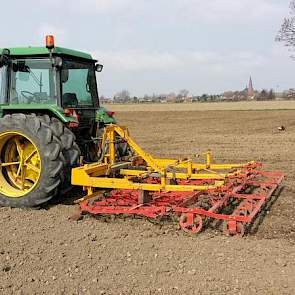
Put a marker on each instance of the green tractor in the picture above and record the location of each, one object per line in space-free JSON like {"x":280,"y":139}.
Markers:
{"x":50,"y":119}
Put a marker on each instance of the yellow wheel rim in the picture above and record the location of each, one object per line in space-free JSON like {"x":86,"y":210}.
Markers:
{"x":20,"y":164}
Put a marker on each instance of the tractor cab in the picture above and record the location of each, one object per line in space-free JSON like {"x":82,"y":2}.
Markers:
{"x":54,"y":79}
{"x":57,"y":82}
{"x":41,"y":81}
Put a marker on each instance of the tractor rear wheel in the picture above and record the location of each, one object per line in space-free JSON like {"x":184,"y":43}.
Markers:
{"x":30,"y":161}
{"x":70,"y":150}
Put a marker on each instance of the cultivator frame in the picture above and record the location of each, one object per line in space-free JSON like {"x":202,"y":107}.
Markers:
{"x":196,"y":193}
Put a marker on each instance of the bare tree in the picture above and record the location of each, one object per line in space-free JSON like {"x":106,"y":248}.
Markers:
{"x":271,"y":95}
{"x":263,"y":95}
{"x":183,"y":93}
{"x":286,"y":33}
{"x":122,"y":96}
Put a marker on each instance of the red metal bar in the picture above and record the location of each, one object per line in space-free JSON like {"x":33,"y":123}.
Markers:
{"x":250,"y":191}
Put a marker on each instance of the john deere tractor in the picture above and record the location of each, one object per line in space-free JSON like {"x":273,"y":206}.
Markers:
{"x":50,"y":118}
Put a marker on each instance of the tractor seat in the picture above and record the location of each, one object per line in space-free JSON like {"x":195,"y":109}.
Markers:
{"x":69,"y":100}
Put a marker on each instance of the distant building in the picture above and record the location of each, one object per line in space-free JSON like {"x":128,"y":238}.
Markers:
{"x":188,"y":99}
{"x":250,"y":89}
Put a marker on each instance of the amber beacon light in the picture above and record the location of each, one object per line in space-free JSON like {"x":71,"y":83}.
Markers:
{"x":50,"y":41}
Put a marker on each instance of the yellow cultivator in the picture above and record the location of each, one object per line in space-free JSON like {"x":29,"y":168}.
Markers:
{"x":134,"y":182}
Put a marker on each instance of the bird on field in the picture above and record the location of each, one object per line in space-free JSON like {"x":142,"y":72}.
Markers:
{"x":282,"y":128}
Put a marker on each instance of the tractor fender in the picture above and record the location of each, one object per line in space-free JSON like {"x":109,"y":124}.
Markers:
{"x":51,"y":110}
{"x":102,"y":115}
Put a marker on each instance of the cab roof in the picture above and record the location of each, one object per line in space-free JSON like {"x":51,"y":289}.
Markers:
{"x":33,"y":51}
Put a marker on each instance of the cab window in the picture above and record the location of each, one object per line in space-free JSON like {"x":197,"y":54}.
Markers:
{"x":32,"y":81}
{"x":78,"y":84}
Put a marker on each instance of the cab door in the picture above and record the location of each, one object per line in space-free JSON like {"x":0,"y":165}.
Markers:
{"x":3,"y":85}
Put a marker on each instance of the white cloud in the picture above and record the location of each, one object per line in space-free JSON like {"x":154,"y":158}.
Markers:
{"x":199,"y":71}
{"x":91,"y":6}
{"x":235,"y":11}
{"x":49,"y":29}
{"x":138,"y":60}
{"x":101,"y":6}
{"x":213,"y":11}
{"x":155,"y":45}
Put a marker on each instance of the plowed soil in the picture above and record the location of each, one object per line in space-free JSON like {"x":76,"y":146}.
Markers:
{"x":43,"y":252}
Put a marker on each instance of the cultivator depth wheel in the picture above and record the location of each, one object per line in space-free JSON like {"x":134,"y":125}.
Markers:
{"x":191,"y":223}
{"x":233,"y":228}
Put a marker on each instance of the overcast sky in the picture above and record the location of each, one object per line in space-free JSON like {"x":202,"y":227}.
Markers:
{"x":162,"y":46}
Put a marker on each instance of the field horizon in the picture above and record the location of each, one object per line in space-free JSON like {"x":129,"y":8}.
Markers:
{"x":205,"y":106}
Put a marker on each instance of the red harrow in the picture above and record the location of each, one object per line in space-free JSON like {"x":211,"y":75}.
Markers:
{"x":196,"y":194}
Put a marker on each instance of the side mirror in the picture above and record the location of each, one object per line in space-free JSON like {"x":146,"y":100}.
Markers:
{"x":4,"y":60}
{"x":20,"y":66}
{"x":98,"y":68}
{"x":5,"y":51}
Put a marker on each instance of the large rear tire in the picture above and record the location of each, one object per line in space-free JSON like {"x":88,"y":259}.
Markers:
{"x":70,"y":150}
{"x":30,"y":161}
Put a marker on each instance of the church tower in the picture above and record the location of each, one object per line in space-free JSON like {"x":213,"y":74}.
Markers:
{"x":250,"y":88}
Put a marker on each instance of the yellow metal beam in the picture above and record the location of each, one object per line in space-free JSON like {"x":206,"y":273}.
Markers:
{"x":80,"y":177}
{"x":98,"y":174}
{"x":123,"y":132}
{"x":179,"y":175}
{"x":95,"y":168}
{"x":162,"y":162}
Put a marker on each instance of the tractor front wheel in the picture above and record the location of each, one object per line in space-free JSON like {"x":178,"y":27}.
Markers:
{"x":31,"y":161}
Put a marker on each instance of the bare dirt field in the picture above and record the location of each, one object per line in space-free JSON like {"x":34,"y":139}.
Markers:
{"x":205,"y":106}
{"x":42,"y":252}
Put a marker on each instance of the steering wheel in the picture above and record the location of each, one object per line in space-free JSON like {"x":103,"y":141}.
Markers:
{"x":28,"y":95}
